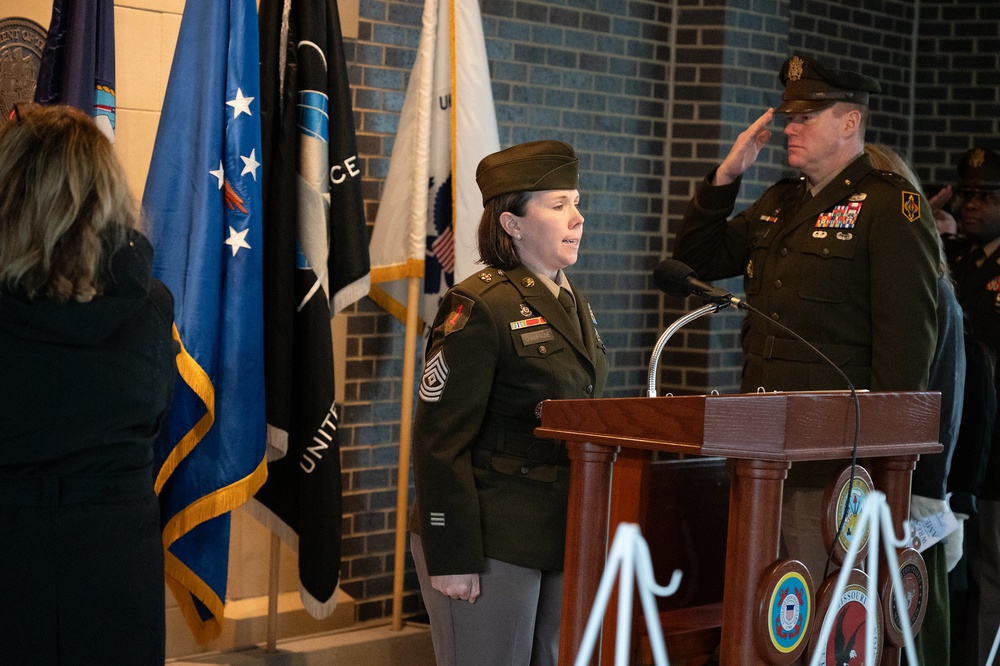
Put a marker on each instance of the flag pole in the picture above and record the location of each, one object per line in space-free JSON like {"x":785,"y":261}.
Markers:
{"x":405,"y":436}
{"x":272,"y":594}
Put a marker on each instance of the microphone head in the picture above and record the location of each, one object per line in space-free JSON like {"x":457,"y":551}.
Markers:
{"x":670,"y":277}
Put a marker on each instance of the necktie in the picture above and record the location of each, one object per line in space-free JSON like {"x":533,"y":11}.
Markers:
{"x":569,"y":303}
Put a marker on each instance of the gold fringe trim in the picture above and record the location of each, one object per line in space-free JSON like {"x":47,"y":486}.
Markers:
{"x":182,"y":581}
{"x":201,"y":384}
{"x":393,"y":307}
{"x":412,"y":268}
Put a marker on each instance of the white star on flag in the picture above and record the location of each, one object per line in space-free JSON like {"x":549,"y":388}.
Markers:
{"x":241,"y":104}
{"x":250,"y":164}
{"x":237,"y":239}
{"x":219,"y":173}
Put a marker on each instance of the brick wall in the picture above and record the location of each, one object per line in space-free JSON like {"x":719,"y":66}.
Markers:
{"x":651,"y":94}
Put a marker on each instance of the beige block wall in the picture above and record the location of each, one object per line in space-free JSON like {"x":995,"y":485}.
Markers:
{"x":145,"y":36}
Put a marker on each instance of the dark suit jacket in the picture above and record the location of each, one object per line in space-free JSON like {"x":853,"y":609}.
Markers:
{"x":485,"y":487}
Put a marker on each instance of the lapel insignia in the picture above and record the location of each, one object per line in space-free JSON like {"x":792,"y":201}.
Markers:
{"x":525,"y":310}
{"x":525,"y":323}
{"x":750,"y":269}
{"x":528,"y":282}
{"x":860,"y":196}
{"x":911,"y":206}
{"x":994,"y":284}
{"x":841,"y":217}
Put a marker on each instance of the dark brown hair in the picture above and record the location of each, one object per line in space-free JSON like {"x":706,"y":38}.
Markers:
{"x":496,"y":247}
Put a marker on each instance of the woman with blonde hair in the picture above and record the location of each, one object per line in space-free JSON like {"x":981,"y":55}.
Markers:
{"x":86,"y":372}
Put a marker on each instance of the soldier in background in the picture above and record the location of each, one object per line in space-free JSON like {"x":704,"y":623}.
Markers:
{"x":974,"y":257}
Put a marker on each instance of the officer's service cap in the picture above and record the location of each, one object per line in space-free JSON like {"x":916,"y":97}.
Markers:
{"x":978,"y":171}
{"x":809,"y":86}
{"x":529,"y":167}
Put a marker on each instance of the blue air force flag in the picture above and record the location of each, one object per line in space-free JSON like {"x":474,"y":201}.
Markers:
{"x":203,"y":201}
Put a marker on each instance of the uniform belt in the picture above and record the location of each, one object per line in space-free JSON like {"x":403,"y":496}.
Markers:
{"x":785,"y":349}
{"x":54,"y":490}
{"x":509,"y":437}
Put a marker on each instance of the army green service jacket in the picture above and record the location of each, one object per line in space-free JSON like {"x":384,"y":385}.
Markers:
{"x":485,"y":486}
{"x":852,"y":270}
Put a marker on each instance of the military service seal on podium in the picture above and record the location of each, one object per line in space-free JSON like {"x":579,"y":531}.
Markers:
{"x":784,"y":617}
{"x":845,"y":495}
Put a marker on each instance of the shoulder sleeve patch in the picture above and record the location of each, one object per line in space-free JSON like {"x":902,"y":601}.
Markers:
{"x":911,"y":206}
{"x":461,"y":308}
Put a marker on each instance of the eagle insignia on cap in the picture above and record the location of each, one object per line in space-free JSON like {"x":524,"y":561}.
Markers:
{"x":795,"y":68}
{"x":977,"y":158}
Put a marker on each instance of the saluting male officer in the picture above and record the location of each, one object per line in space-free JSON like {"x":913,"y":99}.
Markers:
{"x":489,"y":520}
{"x":845,"y":255}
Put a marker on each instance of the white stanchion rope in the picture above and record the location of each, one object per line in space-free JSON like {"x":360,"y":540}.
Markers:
{"x":630,"y":554}
{"x":874,"y":515}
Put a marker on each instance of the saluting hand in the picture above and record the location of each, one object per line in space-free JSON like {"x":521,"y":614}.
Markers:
{"x":745,"y":151}
{"x":944,"y":220}
{"x":457,"y":586}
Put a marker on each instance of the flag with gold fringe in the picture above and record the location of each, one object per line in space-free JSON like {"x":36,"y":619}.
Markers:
{"x":203,"y":203}
{"x":430,"y":208}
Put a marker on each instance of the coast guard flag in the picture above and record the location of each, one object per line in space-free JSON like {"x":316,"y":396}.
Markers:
{"x":430,"y":207}
{"x":203,"y":202}
{"x":315,"y":264}
{"x":78,"y":62}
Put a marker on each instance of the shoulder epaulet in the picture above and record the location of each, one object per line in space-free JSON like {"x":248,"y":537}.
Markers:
{"x":893,"y":178}
{"x":785,"y":182}
{"x":484,"y":279}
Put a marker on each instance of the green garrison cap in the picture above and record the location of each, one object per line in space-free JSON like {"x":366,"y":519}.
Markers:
{"x":978,"y":171}
{"x":528,"y":167}
{"x":810,"y":87}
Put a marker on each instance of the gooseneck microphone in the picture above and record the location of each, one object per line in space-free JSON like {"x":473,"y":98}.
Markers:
{"x":675,"y":278}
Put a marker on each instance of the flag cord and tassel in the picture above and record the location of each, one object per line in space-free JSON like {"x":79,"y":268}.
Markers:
{"x":405,"y":435}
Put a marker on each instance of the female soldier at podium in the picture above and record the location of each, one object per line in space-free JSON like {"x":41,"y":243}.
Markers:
{"x":489,"y":520}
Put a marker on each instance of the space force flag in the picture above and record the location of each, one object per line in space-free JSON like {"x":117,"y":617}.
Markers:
{"x":78,"y":62}
{"x":316,"y":264}
{"x":203,"y":203}
{"x":430,"y":207}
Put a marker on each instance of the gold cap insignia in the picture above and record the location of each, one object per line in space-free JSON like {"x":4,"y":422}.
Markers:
{"x":795,"y":68}
{"x":977,"y":158}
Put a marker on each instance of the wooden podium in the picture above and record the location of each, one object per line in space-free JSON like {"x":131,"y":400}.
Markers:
{"x":763,"y":434}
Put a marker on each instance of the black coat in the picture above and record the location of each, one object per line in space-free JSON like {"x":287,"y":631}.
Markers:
{"x":84,"y":386}
{"x":979,"y":295}
{"x":485,"y":486}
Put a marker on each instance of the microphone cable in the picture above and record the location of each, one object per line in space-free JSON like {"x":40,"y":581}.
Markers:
{"x":857,"y":424}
